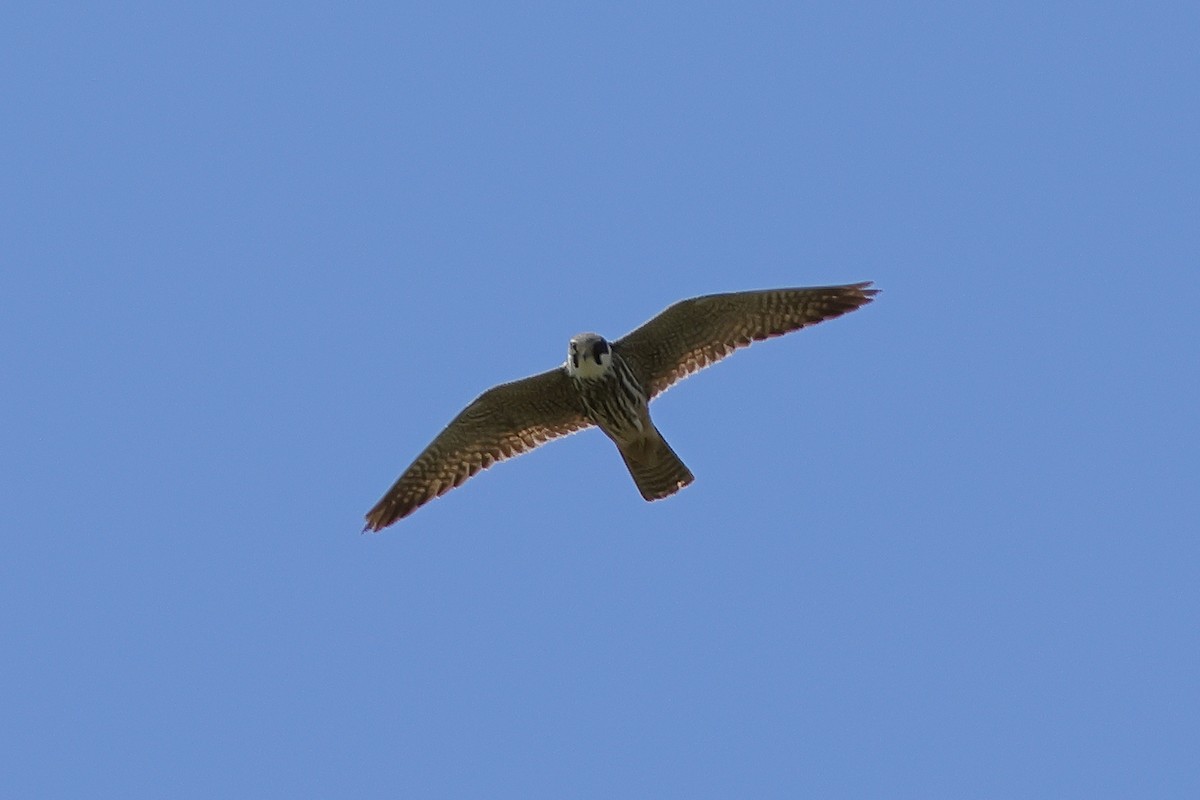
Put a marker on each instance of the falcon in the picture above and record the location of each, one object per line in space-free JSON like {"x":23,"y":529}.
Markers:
{"x":610,"y":385}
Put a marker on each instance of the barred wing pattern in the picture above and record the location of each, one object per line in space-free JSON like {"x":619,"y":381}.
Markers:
{"x":503,"y":422}
{"x":692,"y":334}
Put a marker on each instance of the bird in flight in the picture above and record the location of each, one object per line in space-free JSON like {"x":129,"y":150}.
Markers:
{"x":610,"y":385}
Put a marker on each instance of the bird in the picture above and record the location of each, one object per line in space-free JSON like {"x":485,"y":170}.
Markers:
{"x":609,"y":385}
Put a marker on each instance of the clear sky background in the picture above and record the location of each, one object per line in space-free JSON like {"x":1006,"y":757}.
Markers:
{"x":254,"y":256}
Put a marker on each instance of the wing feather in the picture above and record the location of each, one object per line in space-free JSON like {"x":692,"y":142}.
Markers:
{"x":692,"y":334}
{"x":503,"y":422}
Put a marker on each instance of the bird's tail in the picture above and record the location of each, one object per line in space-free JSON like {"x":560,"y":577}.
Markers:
{"x":655,"y":468}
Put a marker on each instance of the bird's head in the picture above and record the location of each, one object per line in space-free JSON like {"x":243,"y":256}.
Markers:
{"x":588,"y":355}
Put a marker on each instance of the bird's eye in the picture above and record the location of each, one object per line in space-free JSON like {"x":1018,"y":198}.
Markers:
{"x":599,"y":349}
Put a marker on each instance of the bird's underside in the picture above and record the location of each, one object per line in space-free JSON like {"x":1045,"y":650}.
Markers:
{"x":609,"y":385}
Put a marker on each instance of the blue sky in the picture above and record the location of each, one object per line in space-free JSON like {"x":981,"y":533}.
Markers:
{"x":256,"y":256}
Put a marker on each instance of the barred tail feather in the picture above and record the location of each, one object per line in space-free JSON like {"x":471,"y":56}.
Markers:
{"x":655,"y":468}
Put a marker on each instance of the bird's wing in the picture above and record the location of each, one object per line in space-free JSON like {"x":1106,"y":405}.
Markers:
{"x":503,"y":422}
{"x":694,"y":333}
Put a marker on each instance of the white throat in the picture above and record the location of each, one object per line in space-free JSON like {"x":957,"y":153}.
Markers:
{"x":589,"y":369}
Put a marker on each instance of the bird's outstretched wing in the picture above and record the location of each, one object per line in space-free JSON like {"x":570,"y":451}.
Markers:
{"x":503,"y":422}
{"x":694,"y":333}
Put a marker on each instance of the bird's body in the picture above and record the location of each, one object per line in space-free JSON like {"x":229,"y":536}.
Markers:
{"x":611,"y":394}
{"x":610,"y":385}
{"x":617,"y":404}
